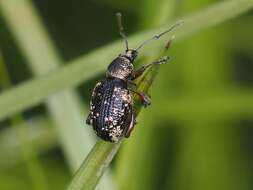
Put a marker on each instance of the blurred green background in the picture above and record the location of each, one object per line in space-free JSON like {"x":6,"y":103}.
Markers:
{"x":197,"y":135}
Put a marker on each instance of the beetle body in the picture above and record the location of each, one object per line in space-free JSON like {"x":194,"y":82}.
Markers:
{"x":111,"y":108}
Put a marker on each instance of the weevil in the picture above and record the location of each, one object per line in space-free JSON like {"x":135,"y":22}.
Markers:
{"x":111,"y":107}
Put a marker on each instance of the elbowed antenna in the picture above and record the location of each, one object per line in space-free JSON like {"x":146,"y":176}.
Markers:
{"x":121,"y":29}
{"x":156,"y":37}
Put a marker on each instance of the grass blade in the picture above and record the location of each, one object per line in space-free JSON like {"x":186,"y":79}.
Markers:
{"x":104,"y":153}
{"x":40,"y":134}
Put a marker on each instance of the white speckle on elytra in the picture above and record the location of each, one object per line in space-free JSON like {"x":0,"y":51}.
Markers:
{"x":114,"y":111}
{"x":115,"y":133}
{"x":98,"y":84}
{"x":116,"y":89}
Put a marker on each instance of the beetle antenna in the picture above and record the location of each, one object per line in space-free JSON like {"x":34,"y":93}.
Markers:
{"x":121,"y":29}
{"x":156,"y":37}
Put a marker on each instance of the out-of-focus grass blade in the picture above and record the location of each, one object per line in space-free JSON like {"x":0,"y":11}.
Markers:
{"x":234,"y":103}
{"x":40,"y":134}
{"x":89,"y":65}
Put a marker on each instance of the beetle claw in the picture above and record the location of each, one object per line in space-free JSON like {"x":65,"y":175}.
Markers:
{"x":162,"y":60}
{"x":145,"y":100}
{"x":88,"y":120}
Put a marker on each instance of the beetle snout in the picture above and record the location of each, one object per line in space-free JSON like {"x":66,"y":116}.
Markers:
{"x":131,"y":54}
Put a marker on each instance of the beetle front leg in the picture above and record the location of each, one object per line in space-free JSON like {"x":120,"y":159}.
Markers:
{"x":141,"y":70}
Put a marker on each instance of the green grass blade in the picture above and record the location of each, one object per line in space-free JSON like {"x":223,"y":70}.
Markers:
{"x":41,"y":135}
{"x":18,"y":99}
{"x":95,"y":164}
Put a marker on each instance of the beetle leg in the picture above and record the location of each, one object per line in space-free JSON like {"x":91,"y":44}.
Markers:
{"x":88,"y":120}
{"x":130,"y":128}
{"x":131,"y":125}
{"x":137,"y":73}
{"x":144,"y":98}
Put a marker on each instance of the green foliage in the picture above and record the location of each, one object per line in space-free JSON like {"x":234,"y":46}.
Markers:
{"x":187,"y":139}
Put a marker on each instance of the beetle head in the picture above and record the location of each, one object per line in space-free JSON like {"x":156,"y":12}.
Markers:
{"x":131,"y":54}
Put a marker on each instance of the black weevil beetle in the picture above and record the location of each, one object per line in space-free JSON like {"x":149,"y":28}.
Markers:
{"x":111,"y":107}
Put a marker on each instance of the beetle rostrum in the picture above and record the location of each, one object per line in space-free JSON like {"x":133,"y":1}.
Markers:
{"x":111,"y":107}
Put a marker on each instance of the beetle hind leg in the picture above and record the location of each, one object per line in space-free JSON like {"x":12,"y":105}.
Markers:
{"x":130,"y":124}
{"x":89,"y":119}
{"x":130,"y":127}
{"x":145,"y":99}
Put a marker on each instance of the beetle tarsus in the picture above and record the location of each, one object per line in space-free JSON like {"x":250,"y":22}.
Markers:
{"x":161,"y":61}
{"x":88,"y":120}
{"x":145,"y":100}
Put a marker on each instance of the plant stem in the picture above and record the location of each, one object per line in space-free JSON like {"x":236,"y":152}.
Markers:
{"x":103,"y":153}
